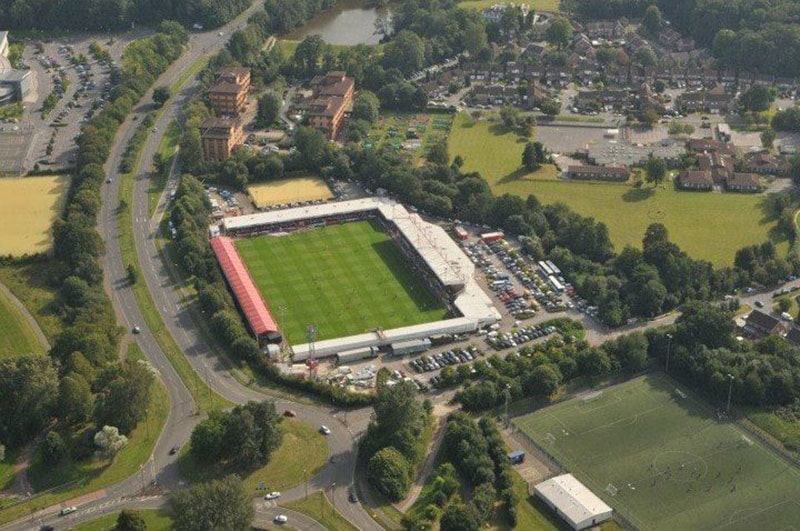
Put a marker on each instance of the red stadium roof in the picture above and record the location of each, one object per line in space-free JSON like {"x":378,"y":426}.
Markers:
{"x":240,"y":281}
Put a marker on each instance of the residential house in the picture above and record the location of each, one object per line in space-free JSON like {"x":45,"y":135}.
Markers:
{"x":793,"y":336}
{"x":674,"y":41}
{"x":764,"y":163}
{"x":228,"y":94}
{"x":695,"y":180}
{"x":599,"y":173}
{"x":219,"y":137}
{"x":761,"y":324}
{"x":743,"y":182}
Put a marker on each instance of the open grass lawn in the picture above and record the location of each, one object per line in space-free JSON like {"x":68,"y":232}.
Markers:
{"x":536,"y":5}
{"x":392,"y":130}
{"x":674,"y":465}
{"x":28,"y":207}
{"x":288,"y":46}
{"x":285,"y":191}
{"x":16,"y":334}
{"x":32,"y":284}
{"x":155,"y":520}
{"x":320,"y":509}
{"x":344,"y":279}
{"x":72,"y":479}
{"x":709,"y":226}
{"x":302,"y":454}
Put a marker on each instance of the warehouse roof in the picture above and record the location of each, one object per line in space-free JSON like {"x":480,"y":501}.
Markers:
{"x":572,"y":499}
{"x":242,"y":285}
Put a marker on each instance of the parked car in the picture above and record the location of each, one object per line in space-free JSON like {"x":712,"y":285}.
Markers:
{"x":289,"y":413}
{"x":324,"y":430}
{"x":173,"y":450}
{"x":281,"y":519}
{"x":272,"y":496}
{"x":68,"y":510}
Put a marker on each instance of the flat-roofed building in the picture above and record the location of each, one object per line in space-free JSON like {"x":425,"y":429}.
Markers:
{"x":228,"y":94}
{"x":14,"y":84}
{"x":219,"y":137}
{"x":573,"y":501}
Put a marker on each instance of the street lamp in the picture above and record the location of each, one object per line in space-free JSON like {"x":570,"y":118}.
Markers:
{"x":669,"y":347}
{"x":730,"y":390}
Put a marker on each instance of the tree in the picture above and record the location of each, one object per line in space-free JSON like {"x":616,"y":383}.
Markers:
{"x":110,"y":441}
{"x":307,"y":55}
{"x":543,"y":381}
{"x":659,"y":86}
{"x":652,"y":20}
{"x":406,"y":52}
{"x":217,"y":504}
{"x":437,"y":152}
{"x":645,"y":57}
{"x":53,"y":449}
{"x":559,"y":33}
{"x":2,"y":452}
{"x":28,"y":390}
{"x":656,"y":170}
{"x":133,"y":274}
{"x":768,"y":138}
{"x":757,"y":98}
{"x":529,"y":159}
{"x":390,"y":473}
{"x":510,"y":116}
{"x":75,"y":399}
{"x":550,"y":107}
{"x":269,"y":106}
{"x":784,"y":304}
{"x":129,"y":520}
{"x":160,"y":95}
{"x":459,"y":516}
{"x":126,"y":396}
{"x":366,"y":106}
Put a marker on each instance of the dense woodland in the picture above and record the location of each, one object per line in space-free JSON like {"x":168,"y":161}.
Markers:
{"x":760,"y":36}
{"x":114,"y":14}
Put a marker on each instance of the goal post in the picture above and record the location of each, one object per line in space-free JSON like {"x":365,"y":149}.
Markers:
{"x":611,"y":489}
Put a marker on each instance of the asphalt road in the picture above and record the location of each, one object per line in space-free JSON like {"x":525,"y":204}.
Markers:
{"x":182,"y":418}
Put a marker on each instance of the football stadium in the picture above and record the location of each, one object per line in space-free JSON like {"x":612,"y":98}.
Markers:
{"x":361,"y":273}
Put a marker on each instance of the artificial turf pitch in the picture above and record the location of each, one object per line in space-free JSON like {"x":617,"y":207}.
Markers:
{"x":343,"y":279}
{"x":673,"y":464}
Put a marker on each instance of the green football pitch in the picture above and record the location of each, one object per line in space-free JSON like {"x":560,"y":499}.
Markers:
{"x":343,"y":279}
{"x":662,"y":459}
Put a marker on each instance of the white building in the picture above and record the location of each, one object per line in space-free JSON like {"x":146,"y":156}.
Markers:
{"x":573,"y":502}
{"x":4,"y":43}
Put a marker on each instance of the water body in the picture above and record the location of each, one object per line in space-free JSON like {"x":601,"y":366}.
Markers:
{"x":349,"y":23}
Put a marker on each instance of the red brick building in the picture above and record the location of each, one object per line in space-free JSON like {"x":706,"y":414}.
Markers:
{"x":229,"y":93}
{"x":219,"y":137}
{"x":333,"y":96}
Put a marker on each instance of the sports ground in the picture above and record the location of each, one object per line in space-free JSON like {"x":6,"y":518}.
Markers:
{"x":287,"y":191}
{"x":662,"y":459}
{"x":28,"y":208}
{"x":344,"y":279}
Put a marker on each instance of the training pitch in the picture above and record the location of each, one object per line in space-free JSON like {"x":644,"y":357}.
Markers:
{"x":344,"y":279}
{"x":662,"y":459}
{"x":28,"y":208}
{"x":287,"y":191}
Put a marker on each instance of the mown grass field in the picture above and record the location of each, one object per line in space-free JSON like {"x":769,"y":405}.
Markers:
{"x":28,"y":207}
{"x":674,"y":465}
{"x":285,"y":191}
{"x":320,"y":509}
{"x":344,"y":279}
{"x":709,"y":226}
{"x":154,"y":519}
{"x":16,"y":334}
{"x":302,"y":454}
{"x":536,"y":5}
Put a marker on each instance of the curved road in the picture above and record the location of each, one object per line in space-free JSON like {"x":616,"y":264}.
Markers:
{"x":181,"y":419}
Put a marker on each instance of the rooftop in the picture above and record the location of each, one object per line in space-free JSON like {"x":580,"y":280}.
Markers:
{"x":572,"y":498}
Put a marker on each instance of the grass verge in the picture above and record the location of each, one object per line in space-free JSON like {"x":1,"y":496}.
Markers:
{"x":31,"y":283}
{"x":73,"y":479}
{"x":17,"y":336}
{"x":155,"y":520}
{"x":302,"y":454}
{"x":205,"y":398}
{"x":320,"y":509}
{"x":167,"y":150}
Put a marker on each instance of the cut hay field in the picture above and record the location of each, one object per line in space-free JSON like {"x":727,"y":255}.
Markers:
{"x":16,"y":334}
{"x":661,"y":458}
{"x":709,"y":226}
{"x":28,"y":207}
{"x":536,"y":5}
{"x":344,"y":279}
{"x":286,"y":191}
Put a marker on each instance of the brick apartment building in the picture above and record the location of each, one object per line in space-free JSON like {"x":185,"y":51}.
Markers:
{"x":333,"y":95}
{"x":229,"y":93}
{"x":219,"y":137}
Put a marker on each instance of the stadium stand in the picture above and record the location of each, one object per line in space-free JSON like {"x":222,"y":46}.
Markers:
{"x":247,"y":296}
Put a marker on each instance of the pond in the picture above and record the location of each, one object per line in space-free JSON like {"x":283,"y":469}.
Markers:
{"x":349,"y":23}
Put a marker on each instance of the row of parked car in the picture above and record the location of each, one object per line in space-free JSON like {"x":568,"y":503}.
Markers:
{"x":524,"y":334}
{"x":443,"y":359}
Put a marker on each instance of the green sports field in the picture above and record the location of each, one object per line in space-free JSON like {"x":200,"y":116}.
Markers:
{"x":344,"y":279}
{"x":673,"y":464}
